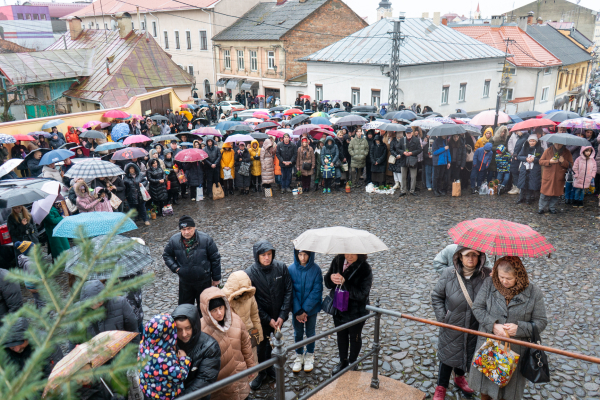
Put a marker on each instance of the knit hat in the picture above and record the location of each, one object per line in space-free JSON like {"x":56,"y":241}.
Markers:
{"x":215,"y":303}
{"x":186,"y":222}
{"x":533,"y":136}
{"x":23,"y":246}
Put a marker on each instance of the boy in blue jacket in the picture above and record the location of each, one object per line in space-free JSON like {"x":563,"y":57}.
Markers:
{"x":442,"y":159}
{"x":307,"y":280}
{"x":481,"y":162}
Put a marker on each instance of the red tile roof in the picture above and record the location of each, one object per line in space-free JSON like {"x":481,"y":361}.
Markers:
{"x":115,"y":6}
{"x":526,"y":51}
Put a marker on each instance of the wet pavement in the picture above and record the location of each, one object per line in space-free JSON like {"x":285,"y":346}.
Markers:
{"x":415,"y":229}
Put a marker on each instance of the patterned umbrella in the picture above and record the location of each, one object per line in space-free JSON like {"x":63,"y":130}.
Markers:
{"x":116,"y":114}
{"x":372,"y":125}
{"x":292,"y":111}
{"x":52,"y":123}
{"x":426,"y":124}
{"x":110,"y":146}
{"x":9,"y":165}
{"x":119,"y":131}
{"x":129,"y":153}
{"x":92,"y":169}
{"x":191,"y":155}
{"x":443,"y":120}
{"x":579,"y":123}
{"x":162,"y":138}
{"x":40,"y":133}
{"x":91,"y":124}
{"x":136,"y":139}
{"x":94,"y":223}
{"x":500,"y":238}
{"x":320,"y":114}
{"x":7,"y":138}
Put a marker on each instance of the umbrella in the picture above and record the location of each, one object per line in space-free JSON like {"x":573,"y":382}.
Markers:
{"x":305,"y":129}
{"x":129,"y":153}
{"x":161,"y":138}
{"x":515,"y":118}
{"x":373,"y":125}
{"x":189,"y":136}
{"x":370,"y":109}
{"x":91,"y":124}
{"x":267,"y":124}
{"x":426,"y":123}
{"x":443,"y":120}
{"x":472,"y":129}
{"x":560,"y":116}
{"x":94,"y":353}
{"x":110,"y":146}
{"x":335,"y":111}
{"x":188,"y":144}
{"x":404,"y":114}
{"x":92,"y":169}
{"x":191,"y":155}
{"x":341,"y":114}
{"x":447,"y":130}
{"x":136,"y":139}
{"x":5,"y":139}
{"x":532,"y":123}
{"x":297,"y":119}
{"x":565,"y":138}
{"x":239,"y":138}
{"x":30,"y":155}
{"x":253,"y":121}
{"x":119,"y":131}
{"x":95,"y":134}
{"x":260,"y":114}
{"x":41,"y":208}
{"x":458,"y":115}
{"x":241,"y":128}
{"x":158,"y":117}
{"x":55,"y":156}
{"x":278,"y":108}
{"x":9,"y":165}
{"x":131,"y":261}
{"x":95,"y":223}
{"x":202,"y":120}
{"x":25,"y":138}
{"x":551,"y":111}
{"x":259,"y":135}
{"x":320,"y":120}
{"x":40,"y":133}
{"x":20,"y":196}
{"x":206,"y":131}
{"x":429,"y":113}
{"x":488,"y":117}
{"x":226,"y":125}
{"x":320,"y":114}
{"x":392,"y":128}
{"x":339,"y":240}
{"x":318,"y":133}
{"x":116,"y":114}
{"x":580,"y":123}
{"x":276,"y":133}
{"x":500,"y":238}
{"x":260,"y":95}
{"x":292,"y":111}
{"x":528,"y":114}
{"x":52,"y":123}
{"x":351,"y":120}
{"x":305,"y":97}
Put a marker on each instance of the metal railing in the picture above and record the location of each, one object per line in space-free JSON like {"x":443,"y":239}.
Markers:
{"x":280,"y":358}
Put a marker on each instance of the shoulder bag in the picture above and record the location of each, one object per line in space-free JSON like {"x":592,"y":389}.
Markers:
{"x":534,"y":364}
{"x":464,"y":289}
{"x":244,"y":168}
{"x":328,"y":302}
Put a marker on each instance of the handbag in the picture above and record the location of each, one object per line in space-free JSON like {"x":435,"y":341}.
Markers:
{"x":497,"y":363}
{"x":71,"y":207}
{"x":341,"y":299}
{"x":345,"y":167}
{"x":254,"y":337}
{"x":534,"y":364}
{"x":217,"y":191}
{"x":306,"y":166}
{"x":268,"y":192}
{"x":327,"y":305}
{"x":227,"y":174}
{"x":244,"y":169}
{"x":470,"y":154}
{"x":464,"y":289}
{"x":391,"y":159}
{"x":115,"y":202}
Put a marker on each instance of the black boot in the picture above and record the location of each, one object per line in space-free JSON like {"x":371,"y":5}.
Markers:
{"x":258,"y":381}
{"x":231,"y":192}
{"x":339,"y":367}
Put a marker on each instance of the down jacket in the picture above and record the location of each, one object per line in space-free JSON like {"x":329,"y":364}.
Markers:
{"x":254,"y":151}
{"x":132,"y":185}
{"x":157,"y":190}
{"x":234,"y":341}
{"x":483,"y":157}
{"x":378,"y":155}
{"x":227,"y":159}
{"x":86,"y":202}
{"x":102,"y":205}
{"x":242,"y":181}
{"x":305,"y":155}
{"x":584,"y":169}
{"x":308,"y":285}
{"x":412,"y":145}
{"x":359,"y":150}
{"x":240,"y":293}
{"x":267,"y":162}
{"x":194,"y":173}
{"x":10,"y":296}
{"x":286,"y":152}
{"x":396,"y":150}
{"x":530,"y":179}
{"x":455,"y":348}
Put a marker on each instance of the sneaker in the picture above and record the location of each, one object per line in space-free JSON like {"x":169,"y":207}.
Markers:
{"x":328,"y":190}
{"x":147,"y":223}
{"x":396,"y":185}
{"x":309,"y":360}
{"x":324,"y":190}
{"x":298,"y":363}
{"x":193,"y":199}
{"x":514,"y":190}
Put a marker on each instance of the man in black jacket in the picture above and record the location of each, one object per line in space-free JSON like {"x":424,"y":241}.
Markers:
{"x":194,"y":256}
{"x":410,"y":148}
{"x":286,"y":154}
{"x":273,"y":295}
{"x":10,"y":296}
{"x":213,"y":164}
{"x":200,"y":347}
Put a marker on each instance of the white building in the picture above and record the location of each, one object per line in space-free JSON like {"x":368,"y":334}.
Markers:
{"x":440,"y":67}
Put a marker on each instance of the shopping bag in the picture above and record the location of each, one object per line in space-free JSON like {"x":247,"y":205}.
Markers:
{"x":144,"y":192}
{"x":167,"y":210}
{"x":115,"y":202}
{"x":456,"y":189}
{"x":244,"y":169}
{"x":391,"y":160}
{"x":496,"y":362}
{"x":199,"y":194}
{"x":217,"y":191}
{"x":181,"y":176}
{"x":340,"y":300}
{"x":483,"y":190}
{"x":268,"y":192}
{"x":592,"y":188}
{"x":227,"y":174}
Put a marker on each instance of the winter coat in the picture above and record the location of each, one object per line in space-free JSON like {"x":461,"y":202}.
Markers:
{"x":267,"y":163}
{"x":455,"y":348}
{"x":483,"y":139}
{"x":227,"y":159}
{"x":194,"y":173}
{"x":584,"y":169}
{"x":234,"y":341}
{"x":19,"y":232}
{"x":132,"y":185}
{"x":458,"y":152}
{"x":154,"y":130}
{"x":396,"y":147}
{"x":359,"y":150}
{"x":157,"y":190}
{"x":273,"y":286}
{"x":308,"y":285}
{"x":443,"y":259}
{"x":412,"y":145}
{"x":254,"y":151}
{"x":553,"y":175}
{"x":200,"y":266}
{"x":242,"y":181}
{"x":332,"y":151}
{"x":34,"y":167}
{"x":214,"y":155}
{"x":502,"y":159}
{"x":286,"y":152}
{"x":378,"y":156}
{"x":202,"y":349}
{"x":489,"y":307}
{"x":500,"y":138}
{"x":532,"y":177}
{"x":514,"y":161}
{"x":117,"y":182}
{"x":10,"y":296}
{"x":358,"y":281}
{"x":240,"y":293}
{"x":86,"y":201}
{"x":102,"y":205}
{"x":55,"y":144}
{"x":483,"y":157}
{"x":305,"y":155}
{"x":57,"y":244}
{"x":441,"y":156}
{"x":51,"y":173}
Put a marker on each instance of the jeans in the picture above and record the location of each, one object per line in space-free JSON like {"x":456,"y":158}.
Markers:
{"x":578,"y":195}
{"x":349,"y":338}
{"x":445,"y":372}
{"x":477,"y":178}
{"x":356,"y":175}
{"x":503,"y":177}
{"x":413,"y":179}
{"x":440,"y":177}
{"x":278,"y":179}
{"x":569,"y":191}
{"x":547,"y":202}
{"x":427,"y":175}
{"x":299,"y":328}
{"x":141,"y":209}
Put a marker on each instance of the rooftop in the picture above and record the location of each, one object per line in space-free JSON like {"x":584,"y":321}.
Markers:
{"x":114,"y":6}
{"x":558,"y":44}
{"x":526,"y":51}
{"x":425,"y":43}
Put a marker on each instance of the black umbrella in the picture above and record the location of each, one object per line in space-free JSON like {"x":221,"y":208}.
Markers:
{"x":392,"y":128}
{"x":334,"y":111}
{"x":458,"y":115}
{"x":158,"y":117}
{"x":92,"y":135}
{"x":297,"y":119}
{"x":241,"y":128}
{"x":30,"y":155}
{"x":528,"y":114}
{"x":372,"y":114}
{"x":406,"y":114}
{"x":560,"y":116}
{"x":351,"y":120}
{"x":341,"y":114}
{"x":202,"y":120}
{"x":370,"y":109}
{"x":266,"y":125}
{"x":68,"y":146}
{"x":278,"y":108}
{"x":430,"y":113}
{"x":20,"y":196}
{"x":565,"y":138}
{"x":447,"y":130}
{"x":259,"y":135}
{"x":190,"y":136}
{"x":472,"y":129}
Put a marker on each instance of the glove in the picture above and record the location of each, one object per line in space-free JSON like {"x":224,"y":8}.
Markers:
{"x":257,"y":157}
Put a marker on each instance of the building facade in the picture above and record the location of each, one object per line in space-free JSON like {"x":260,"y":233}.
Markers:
{"x":27,"y":26}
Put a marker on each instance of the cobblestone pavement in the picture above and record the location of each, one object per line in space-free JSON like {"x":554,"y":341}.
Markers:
{"x":415,"y":229}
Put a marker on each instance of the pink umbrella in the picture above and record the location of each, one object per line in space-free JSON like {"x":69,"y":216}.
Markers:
{"x":207,"y":130}
{"x":115,"y":114}
{"x":91,"y":124}
{"x":105,"y":125}
{"x":276,"y":133}
{"x":487,"y":118}
{"x":138,"y":117}
{"x":136,"y":139}
{"x":305,"y":129}
{"x":261,"y":114}
{"x":191,"y":155}
{"x":129,"y":153}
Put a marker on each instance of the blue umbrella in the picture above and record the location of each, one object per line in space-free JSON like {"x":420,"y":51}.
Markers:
{"x":41,"y":133}
{"x":53,"y":123}
{"x":225,"y":125}
{"x":54,"y":156}
{"x":320,"y":121}
{"x":515,"y":118}
{"x":110,"y":146}
{"x":119,"y":131}
{"x":94,"y":224}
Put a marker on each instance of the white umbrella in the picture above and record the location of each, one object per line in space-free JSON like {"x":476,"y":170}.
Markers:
{"x":9,"y":165}
{"x":339,"y":240}
{"x":425,"y":123}
{"x":41,"y":208}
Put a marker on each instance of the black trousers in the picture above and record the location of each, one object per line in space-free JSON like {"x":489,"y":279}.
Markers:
{"x":263,"y":350}
{"x":189,"y":293}
{"x":440,"y":177}
{"x":212,"y":176}
{"x":445,"y":372}
{"x":349,"y":338}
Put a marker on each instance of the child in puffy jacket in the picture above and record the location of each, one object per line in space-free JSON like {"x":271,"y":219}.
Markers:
{"x":481,"y":162}
{"x":503,"y":167}
{"x":172,"y":186}
{"x":584,"y":169}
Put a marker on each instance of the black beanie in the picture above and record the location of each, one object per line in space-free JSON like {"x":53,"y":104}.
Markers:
{"x":186,"y":221}
{"x":216,"y":302}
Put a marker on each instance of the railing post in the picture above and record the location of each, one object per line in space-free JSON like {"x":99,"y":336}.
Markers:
{"x":376,"y":347}
{"x":280,"y":353}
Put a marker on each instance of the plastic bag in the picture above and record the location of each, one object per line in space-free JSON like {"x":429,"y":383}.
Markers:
{"x":144,"y":192}
{"x":340,"y":300}
{"x":484,"y":189}
{"x":167,"y":210}
{"x":227,"y":174}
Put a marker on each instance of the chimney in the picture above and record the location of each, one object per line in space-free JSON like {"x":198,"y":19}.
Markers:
{"x":436,"y":18}
{"x":496,"y":20}
{"x":75,"y":27}
{"x":425,"y":15}
{"x":530,"y":18}
{"x":444,"y":22}
{"x":523,"y":23}
{"x":280,"y":2}
{"x":124,"y":23}
{"x":540,"y":21}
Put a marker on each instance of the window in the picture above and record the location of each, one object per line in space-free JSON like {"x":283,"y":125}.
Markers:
{"x":375,"y":98}
{"x":227,"y":58}
{"x":43,"y":17}
{"x":19,"y":16}
{"x":36,"y":17}
{"x":143,"y":26}
{"x":105,"y":26}
{"x":486,"y":88}
{"x":271,"y":59}
{"x":547,"y":71}
{"x":188,"y":39}
{"x":462,"y":92}
{"x":154,"y":28}
{"x":545,"y":93}
{"x":191,"y":69}
{"x":203,"y":41}
{"x":508,"y":94}
{"x":445,"y":92}
{"x":511,"y":69}
{"x":28,"y":16}
{"x":318,"y":92}
{"x":253,"y":61}
{"x":166,"y":40}
{"x":356,"y":97}
{"x":177,"y":40}
{"x":240,"y":54}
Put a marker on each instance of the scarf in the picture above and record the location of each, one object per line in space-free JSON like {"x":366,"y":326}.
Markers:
{"x":520,"y":274}
{"x":468,"y":272}
{"x":189,"y":244}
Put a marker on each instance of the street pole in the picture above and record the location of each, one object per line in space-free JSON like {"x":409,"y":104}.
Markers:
{"x":502,"y":85}
{"x":395,"y":63}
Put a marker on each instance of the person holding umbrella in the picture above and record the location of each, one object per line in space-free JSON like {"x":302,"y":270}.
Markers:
{"x":133,"y":179}
{"x":33,"y":163}
{"x":554,"y":162}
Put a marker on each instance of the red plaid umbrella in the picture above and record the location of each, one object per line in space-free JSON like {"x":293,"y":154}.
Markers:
{"x":500,"y":238}
{"x":191,"y":155}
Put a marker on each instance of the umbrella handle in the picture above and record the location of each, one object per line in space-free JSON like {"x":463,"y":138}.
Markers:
{"x":107,"y":388}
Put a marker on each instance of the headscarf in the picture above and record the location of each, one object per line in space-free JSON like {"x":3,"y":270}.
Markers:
{"x":163,"y":373}
{"x":522,"y":279}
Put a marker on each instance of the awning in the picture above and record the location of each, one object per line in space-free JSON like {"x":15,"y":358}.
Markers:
{"x":521,"y":99}
{"x":222,"y":82}
{"x":249,"y":85}
{"x":232,"y":84}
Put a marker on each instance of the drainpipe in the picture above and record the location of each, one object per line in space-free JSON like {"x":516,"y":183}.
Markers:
{"x":536,"y":88}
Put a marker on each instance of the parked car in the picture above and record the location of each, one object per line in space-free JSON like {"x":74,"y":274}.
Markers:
{"x":231,"y":106}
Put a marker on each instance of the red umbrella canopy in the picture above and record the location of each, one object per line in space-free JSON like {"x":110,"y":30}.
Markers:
{"x":305,"y":97}
{"x":191,"y":155}
{"x":115,"y":114}
{"x":292,"y":111}
{"x":129,"y":153}
{"x":23,"y":137}
{"x":501,"y":238}
{"x":532,"y":123}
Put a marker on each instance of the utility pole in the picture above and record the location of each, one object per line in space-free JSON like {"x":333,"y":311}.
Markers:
{"x":397,"y":39}
{"x":504,"y":82}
